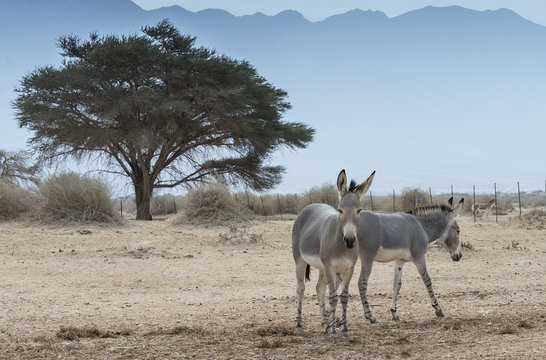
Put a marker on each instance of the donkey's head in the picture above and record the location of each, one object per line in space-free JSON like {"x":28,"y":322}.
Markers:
{"x":349,"y":206}
{"x":450,"y":236}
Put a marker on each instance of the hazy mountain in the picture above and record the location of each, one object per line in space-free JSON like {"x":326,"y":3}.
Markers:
{"x":430,"y":94}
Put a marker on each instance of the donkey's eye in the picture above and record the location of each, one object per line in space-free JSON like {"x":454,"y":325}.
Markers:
{"x":458,"y":231}
{"x":358,"y":211}
{"x":340,"y":211}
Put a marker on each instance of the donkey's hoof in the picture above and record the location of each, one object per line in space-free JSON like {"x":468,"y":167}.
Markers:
{"x":372,"y":319}
{"x":396,"y":318}
{"x":439,"y":312}
{"x":298,"y":328}
{"x":345,"y":333}
{"x":333,"y":335}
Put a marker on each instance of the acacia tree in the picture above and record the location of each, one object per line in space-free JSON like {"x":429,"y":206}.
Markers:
{"x":161,"y":110}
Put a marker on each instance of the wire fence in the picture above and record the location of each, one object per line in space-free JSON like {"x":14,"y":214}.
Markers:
{"x":287,"y":206}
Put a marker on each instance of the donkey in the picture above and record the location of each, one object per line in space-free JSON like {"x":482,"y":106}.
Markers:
{"x":326,"y":238}
{"x":403,"y":237}
{"x":478,"y":208}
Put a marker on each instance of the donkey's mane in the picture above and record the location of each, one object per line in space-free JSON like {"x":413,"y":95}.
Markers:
{"x":429,"y":210}
{"x":352,"y":186}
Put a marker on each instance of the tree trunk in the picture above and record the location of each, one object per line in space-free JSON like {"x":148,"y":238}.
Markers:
{"x":143,"y":196}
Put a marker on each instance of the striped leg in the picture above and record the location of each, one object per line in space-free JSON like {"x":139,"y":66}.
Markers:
{"x":363,"y":287}
{"x":332,"y":289}
{"x":422,"y":268}
{"x":396,"y":286}
{"x":300,"y":289}
{"x":344,"y":297}
{"x":321,"y":293}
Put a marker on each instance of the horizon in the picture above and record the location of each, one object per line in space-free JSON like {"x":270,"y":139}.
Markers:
{"x":532,"y":10}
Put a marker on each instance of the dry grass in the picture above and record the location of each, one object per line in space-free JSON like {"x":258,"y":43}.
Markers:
{"x":71,"y":333}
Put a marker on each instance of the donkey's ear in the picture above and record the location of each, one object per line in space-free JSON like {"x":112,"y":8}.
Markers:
{"x":450,"y":202}
{"x":457,"y":209}
{"x":342,"y":183}
{"x":363,"y":188}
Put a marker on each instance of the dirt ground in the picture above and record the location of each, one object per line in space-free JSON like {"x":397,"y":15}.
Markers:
{"x":152,"y":290}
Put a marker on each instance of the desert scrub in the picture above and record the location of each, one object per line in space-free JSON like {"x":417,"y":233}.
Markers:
{"x":212,"y":204}
{"x":15,"y":200}
{"x":72,"y":197}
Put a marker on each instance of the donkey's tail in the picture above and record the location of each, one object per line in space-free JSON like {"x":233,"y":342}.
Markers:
{"x":307,"y":272}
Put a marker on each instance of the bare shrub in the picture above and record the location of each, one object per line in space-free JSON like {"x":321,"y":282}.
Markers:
{"x":74,"y":198}
{"x":409,"y":197}
{"x":212,"y":204}
{"x":14,"y":200}
{"x":15,"y":168}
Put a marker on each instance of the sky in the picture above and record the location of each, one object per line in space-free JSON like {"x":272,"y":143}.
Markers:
{"x":316,"y":10}
{"x":515,"y":154}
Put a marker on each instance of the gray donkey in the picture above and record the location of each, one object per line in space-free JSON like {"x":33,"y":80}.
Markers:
{"x":326,"y":238}
{"x":403,"y":237}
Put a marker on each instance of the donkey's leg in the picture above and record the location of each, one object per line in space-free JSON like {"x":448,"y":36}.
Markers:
{"x":321,"y":293}
{"x":300,"y":288}
{"x":332,"y":303}
{"x":344,"y":297}
{"x":363,"y":287}
{"x":422,"y":268}
{"x":399,"y":264}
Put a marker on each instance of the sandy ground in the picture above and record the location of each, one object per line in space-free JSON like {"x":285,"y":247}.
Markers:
{"x":152,"y":290}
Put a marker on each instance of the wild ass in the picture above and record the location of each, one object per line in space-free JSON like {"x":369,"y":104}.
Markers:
{"x":403,"y":237}
{"x":326,"y":238}
{"x":479,"y":207}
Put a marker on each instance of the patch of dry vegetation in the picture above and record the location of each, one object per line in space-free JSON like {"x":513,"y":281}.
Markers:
{"x":71,"y":333}
{"x":70,"y":197}
{"x":15,"y":200}
{"x":212,"y":204}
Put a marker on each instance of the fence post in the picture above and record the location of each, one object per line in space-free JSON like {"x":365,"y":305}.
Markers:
{"x":452,"y":191}
{"x":297,"y":205}
{"x":393,"y":201}
{"x":310,"y":201}
{"x":519,"y":201}
{"x":430,"y":193}
{"x":263,"y":207}
{"x":174,"y":203}
{"x":121,"y":206}
{"x":371,"y":200}
{"x":280,"y":207}
{"x":248,"y":199}
{"x":416,"y":202}
{"x":474,"y":202}
{"x":496,"y":206}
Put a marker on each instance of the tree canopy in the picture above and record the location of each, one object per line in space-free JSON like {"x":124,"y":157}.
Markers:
{"x":162,"y":110}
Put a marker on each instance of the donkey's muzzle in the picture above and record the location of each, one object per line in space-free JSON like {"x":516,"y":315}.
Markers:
{"x":457,"y":257}
{"x":350,"y":242}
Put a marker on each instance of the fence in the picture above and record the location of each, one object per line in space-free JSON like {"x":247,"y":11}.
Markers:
{"x":287,"y":206}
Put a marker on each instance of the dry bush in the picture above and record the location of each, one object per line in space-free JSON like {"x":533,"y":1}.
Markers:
{"x":212,"y":204}
{"x":326,"y":194}
{"x":72,"y":197}
{"x":532,"y":220}
{"x":407,"y":199}
{"x":15,"y":200}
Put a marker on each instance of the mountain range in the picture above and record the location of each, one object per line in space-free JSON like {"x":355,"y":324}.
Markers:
{"x":434,"y":97}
